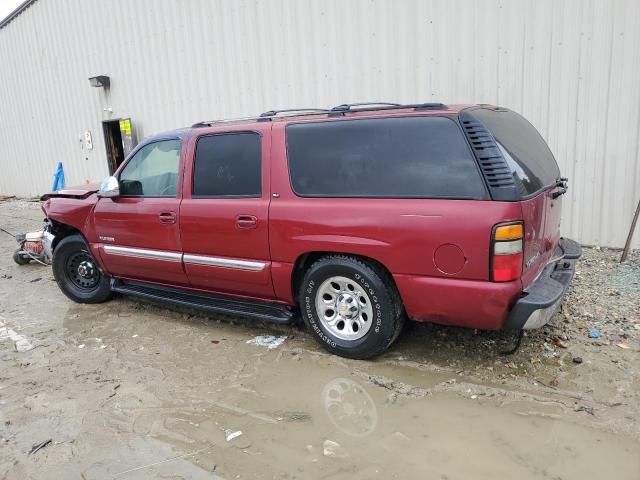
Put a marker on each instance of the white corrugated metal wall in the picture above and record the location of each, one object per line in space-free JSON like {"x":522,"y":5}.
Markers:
{"x":571,"y":67}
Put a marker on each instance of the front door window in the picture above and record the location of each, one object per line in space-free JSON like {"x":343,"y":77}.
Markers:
{"x":153,"y":171}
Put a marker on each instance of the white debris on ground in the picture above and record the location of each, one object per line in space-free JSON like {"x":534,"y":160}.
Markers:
{"x":269,"y":341}
{"x":333,"y":449}
{"x":231,"y":435}
{"x":22,"y":344}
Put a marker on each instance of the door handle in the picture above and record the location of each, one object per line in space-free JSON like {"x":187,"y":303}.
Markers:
{"x":168,"y":217}
{"x":245,"y":222}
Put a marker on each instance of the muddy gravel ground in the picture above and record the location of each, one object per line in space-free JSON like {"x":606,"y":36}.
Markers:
{"x":131,"y":390}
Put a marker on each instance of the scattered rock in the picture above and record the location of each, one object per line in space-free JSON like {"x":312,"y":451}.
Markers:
{"x":577,"y":360}
{"x":296,"y":416}
{"x":588,"y":410}
{"x":558,"y":343}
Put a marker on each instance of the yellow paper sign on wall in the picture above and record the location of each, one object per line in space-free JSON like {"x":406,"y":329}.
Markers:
{"x":125,"y":126}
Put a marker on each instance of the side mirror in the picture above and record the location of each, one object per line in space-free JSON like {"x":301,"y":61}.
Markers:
{"x":109,"y":187}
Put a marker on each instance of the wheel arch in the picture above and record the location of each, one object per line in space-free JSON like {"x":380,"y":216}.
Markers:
{"x":305,"y":260}
{"x":62,"y":230}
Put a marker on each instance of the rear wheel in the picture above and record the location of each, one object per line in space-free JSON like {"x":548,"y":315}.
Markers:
{"x":351,"y":307}
{"x":77,"y":272}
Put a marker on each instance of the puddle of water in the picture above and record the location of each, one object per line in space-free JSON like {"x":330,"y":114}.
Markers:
{"x":289,"y":404}
{"x":183,"y":393}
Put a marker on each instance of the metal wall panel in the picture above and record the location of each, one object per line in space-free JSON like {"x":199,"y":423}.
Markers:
{"x":571,"y":67}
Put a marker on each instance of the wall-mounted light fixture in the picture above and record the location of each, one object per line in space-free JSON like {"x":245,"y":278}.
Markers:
{"x":99,"y":81}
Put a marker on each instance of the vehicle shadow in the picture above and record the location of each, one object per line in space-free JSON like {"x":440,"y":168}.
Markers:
{"x":419,"y":342}
{"x":446,"y":345}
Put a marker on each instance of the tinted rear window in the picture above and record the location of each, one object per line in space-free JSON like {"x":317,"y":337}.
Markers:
{"x":228,"y":166}
{"x":527,"y":154}
{"x":391,"y":157}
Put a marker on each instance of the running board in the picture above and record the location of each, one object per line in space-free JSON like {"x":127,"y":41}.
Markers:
{"x":267,"y":311}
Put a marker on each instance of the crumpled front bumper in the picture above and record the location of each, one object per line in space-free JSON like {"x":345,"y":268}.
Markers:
{"x":543,"y":297}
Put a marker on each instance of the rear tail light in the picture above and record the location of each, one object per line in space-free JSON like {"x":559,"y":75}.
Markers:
{"x":506,"y":252}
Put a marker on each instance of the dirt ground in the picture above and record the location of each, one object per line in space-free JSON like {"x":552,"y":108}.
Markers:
{"x":132,"y":390}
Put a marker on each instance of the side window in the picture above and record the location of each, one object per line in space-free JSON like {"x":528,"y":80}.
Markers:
{"x":228,"y":165}
{"x":404,"y":157}
{"x":532,"y":164}
{"x":153,"y":171}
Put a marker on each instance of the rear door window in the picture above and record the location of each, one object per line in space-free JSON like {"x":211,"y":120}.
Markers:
{"x":404,"y":157}
{"x":525,"y":151}
{"x":228,"y":165}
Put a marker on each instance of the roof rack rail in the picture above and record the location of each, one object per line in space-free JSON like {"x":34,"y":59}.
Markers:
{"x":208,"y":123}
{"x":371,"y":106}
{"x":273,"y":113}
{"x":348,"y":106}
{"x":266,"y":116}
{"x":337,"y":110}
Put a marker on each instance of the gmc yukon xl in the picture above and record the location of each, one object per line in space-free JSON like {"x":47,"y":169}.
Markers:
{"x":353,"y":218}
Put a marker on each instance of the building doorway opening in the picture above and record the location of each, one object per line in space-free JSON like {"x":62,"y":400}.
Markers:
{"x":118,"y":140}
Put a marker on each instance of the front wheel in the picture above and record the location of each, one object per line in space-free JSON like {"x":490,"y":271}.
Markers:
{"x":77,"y":273}
{"x":351,"y":307}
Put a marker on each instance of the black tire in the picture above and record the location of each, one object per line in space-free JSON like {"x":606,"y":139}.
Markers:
{"x":67,"y":256}
{"x":20,"y":259}
{"x":385,"y":302}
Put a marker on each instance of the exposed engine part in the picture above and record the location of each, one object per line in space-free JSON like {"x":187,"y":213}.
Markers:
{"x":36,"y":246}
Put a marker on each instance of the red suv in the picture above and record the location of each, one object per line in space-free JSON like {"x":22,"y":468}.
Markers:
{"x":355,"y":217}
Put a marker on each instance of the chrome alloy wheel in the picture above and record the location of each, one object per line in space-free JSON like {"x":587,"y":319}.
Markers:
{"x":344,"y":308}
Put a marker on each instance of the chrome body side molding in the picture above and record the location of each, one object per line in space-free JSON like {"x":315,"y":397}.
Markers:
{"x":143,"y":253}
{"x":254,"y":266}
{"x":251,"y":265}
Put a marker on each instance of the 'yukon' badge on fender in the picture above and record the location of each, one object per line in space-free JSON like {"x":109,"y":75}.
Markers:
{"x":107,"y":239}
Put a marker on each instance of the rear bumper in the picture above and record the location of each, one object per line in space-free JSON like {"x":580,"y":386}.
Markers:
{"x":542,"y":298}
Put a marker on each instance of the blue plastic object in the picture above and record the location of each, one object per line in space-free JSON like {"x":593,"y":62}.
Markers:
{"x":58,"y":178}
{"x":594,"y":333}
